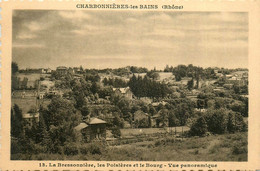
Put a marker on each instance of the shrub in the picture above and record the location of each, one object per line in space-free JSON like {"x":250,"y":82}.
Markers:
{"x":70,"y":149}
{"x":95,"y":148}
{"x":116,"y":132}
{"x":166,"y":141}
{"x":196,"y":152}
{"x":83,"y":149}
{"x":238,"y":149}
{"x":235,"y":123}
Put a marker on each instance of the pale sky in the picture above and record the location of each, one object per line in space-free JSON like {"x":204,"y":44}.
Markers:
{"x":112,"y":39}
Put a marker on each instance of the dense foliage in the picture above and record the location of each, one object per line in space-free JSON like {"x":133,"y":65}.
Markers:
{"x":145,"y":87}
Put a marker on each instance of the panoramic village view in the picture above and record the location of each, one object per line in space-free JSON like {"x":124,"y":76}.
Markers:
{"x":129,"y":113}
{"x":129,"y":86}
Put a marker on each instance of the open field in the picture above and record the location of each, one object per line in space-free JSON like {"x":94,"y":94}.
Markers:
{"x":226,"y":147}
{"x":32,"y":76}
{"x":149,"y":131}
{"x":26,"y":103}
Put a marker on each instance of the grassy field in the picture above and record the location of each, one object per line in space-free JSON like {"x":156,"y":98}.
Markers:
{"x":26,"y":103}
{"x":227,"y":147}
{"x":149,"y":131}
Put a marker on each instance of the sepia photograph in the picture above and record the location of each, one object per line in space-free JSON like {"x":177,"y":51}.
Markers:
{"x":113,"y":85}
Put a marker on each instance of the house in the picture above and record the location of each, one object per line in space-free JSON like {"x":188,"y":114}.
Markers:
{"x":185,"y":80}
{"x":41,"y":95}
{"x":48,"y":71}
{"x":228,"y":86}
{"x":146,"y":100}
{"x":62,"y":70}
{"x":156,"y":104}
{"x":30,"y":118}
{"x":219,"y":75}
{"x":200,"y":110}
{"x":91,"y":129}
{"x":228,"y":76}
{"x":236,"y":80}
{"x":240,"y":74}
{"x":215,"y":71}
{"x":54,"y":92}
{"x":46,"y":85}
{"x":77,"y":70}
{"x":166,"y":77}
{"x":219,"y":89}
{"x":124,"y":92}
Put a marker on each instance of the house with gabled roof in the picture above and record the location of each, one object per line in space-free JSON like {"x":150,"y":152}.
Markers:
{"x":123,"y":92}
{"x":92,"y":129}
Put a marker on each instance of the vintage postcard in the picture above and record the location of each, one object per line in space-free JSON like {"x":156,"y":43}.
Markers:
{"x":130,"y":85}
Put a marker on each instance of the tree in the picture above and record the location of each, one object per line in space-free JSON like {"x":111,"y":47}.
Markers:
{"x":118,"y":122}
{"x":199,"y":128}
{"x":235,"y":122}
{"x":152,"y":110}
{"x":153,"y":75}
{"x":95,"y":88}
{"x":80,"y":100}
{"x":124,"y":105}
{"x":238,"y":106}
{"x":217,"y":120}
{"x":231,"y":123}
{"x":146,"y":87}
{"x":167,"y":69}
{"x":200,"y":103}
{"x":164,"y":115}
{"x":16,"y":122}
{"x":182,"y":112}
{"x":15,"y":67}
{"x":61,"y":118}
{"x":173,"y":120}
{"x":177,"y":77}
{"x":190,"y":84}
{"x":85,"y":111}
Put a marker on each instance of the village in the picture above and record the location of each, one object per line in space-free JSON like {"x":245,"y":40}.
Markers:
{"x":127,"y":105}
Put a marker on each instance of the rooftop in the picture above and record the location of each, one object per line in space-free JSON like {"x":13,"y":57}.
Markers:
{"x":96,"y":121}
{"x":30,"y":115}
{"x":81,"y":126}
{"x":122,"y":90}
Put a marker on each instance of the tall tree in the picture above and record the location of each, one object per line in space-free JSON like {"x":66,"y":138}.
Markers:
{"x":199,"y":128}
{"x":15,"y":67}
{"x":16,"y":122}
